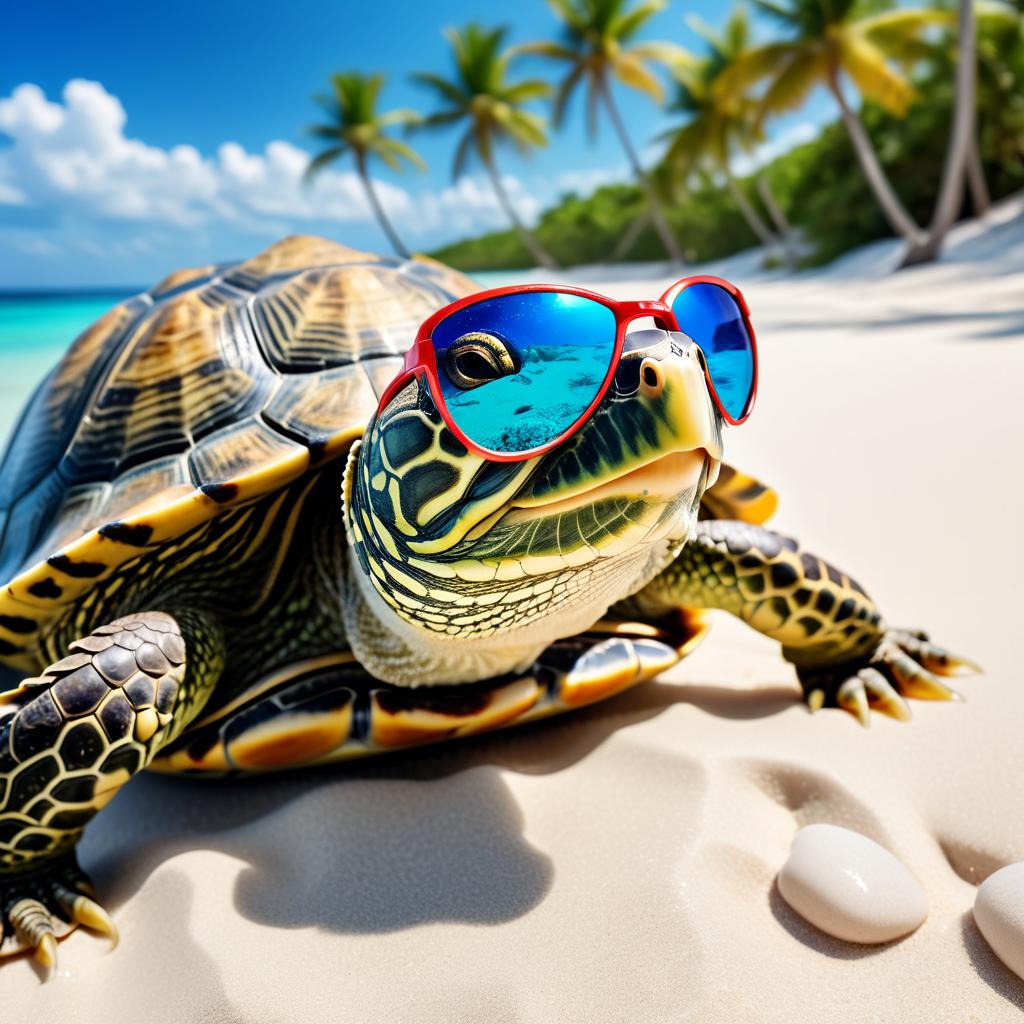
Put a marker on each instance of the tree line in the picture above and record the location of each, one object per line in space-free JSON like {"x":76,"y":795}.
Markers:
{"x":723,"y":97}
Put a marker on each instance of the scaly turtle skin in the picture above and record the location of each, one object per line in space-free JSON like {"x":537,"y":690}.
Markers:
{"x":220,"y":561}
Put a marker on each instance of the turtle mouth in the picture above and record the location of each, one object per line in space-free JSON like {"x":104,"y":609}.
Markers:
{"x":663,"y":477}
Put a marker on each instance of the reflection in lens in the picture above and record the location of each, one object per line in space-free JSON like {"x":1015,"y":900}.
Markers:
{"x":559,"y":349}
{"x":712,"y":317}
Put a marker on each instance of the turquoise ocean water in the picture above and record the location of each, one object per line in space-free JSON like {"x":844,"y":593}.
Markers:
{"x":35,"y":330}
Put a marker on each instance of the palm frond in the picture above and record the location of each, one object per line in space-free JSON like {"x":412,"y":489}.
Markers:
{"x":321,"y":160}
{"x":786,"y":15}
{"x":393,"y":152}
{"x":570,"y":13}
{"x":630,"y":71}
{"x":903,"y":35}
{"x":442,"y":118}
{"x":564,"y":93}
{"x":790,"y":89}
{"x":701,"y":28}
{"x":556,"y":51}
{"x":530,"y":89}
{"x":903,"y":22}
{"x":671,"y":55}
{"x":328,"y":104}
{"x":754,"y":65}
{"x":448,"y":91}
{"x":687,"y":149}
{"x":402,"y":117}
{"x":865,"y":63}
{"x":626,"y":25}
{"x":520,"y":127}
{"x":326,"y":131}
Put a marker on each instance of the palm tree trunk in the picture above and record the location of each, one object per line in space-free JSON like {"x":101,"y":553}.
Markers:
{"x":536,"y":250}
{"x":951,"y":191}
{"x":657,"y":214}
{"x":778,"y":219}
{"x":895,"y":213}
{"x":629,"y":236}
{"x":750,"y":215}
{"x":980,"y":198}
{"x":378,"y":210}
{"x":771,"y":204}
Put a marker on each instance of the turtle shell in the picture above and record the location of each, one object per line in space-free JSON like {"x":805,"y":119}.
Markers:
{"x":219,"y":385}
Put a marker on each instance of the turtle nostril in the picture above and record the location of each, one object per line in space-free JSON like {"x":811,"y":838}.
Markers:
{"x":652,"y":379}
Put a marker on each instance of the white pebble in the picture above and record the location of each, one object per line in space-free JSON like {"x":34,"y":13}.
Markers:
{"x":999,"y":914}
{"x":850,"y":887}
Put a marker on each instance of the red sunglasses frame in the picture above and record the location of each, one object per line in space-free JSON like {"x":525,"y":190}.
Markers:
{"x":421,"y":360}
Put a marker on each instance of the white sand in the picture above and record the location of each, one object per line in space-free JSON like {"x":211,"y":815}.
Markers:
{"x":618,"y":865}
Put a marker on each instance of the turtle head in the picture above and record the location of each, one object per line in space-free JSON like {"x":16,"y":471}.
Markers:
{"x":464,"y":568}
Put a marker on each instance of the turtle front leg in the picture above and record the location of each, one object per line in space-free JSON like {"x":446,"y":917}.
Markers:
{"x":69,"y":740}
{"x":829,"y":628}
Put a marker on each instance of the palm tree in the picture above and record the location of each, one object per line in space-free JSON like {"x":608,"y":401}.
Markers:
{"x":828,"y":40}
{"x":355,"y":127}
{"x":716,"y":121}
{"x":598,"y":47}
{"x":962,"y":138}
{"x":963,"y":158}
{"x":492,"y":109}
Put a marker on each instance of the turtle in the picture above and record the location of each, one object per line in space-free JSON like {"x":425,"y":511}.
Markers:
{"x":223,"y":559}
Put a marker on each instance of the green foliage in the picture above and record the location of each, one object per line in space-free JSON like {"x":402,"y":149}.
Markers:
{"x":1001,"y":100}
{"x":588,"y":230}
{"x":819,"y":185}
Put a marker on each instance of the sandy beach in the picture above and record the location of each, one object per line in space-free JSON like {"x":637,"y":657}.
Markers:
{"x":618,"y":865}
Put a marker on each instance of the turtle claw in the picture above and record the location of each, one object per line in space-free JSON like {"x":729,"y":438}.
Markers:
{"x":883,"y":696}
{"x":89,"y":913}
{"x":853,"y":698}
{"x":38,"y":908}
{"x":33,"y":928}
{"x":932,"y":657}
{"x":46,"y":955}
{"x":904,"y":664}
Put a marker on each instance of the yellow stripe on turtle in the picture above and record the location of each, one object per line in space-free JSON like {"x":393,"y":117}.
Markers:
{"x":329,"y":709}
{"x":736,"y":495}
{"x":403,"y":718}
{"x":631,"y":653}
{"x":291,"y":739}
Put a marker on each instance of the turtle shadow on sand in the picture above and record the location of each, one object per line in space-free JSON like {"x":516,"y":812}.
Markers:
{"x":385,"y":844}
{"x":989,"y":967}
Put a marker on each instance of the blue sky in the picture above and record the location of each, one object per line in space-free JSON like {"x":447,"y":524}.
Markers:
{"x":135,"y":138}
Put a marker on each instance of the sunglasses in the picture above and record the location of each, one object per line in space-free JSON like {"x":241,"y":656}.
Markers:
{"x":516,"y":371}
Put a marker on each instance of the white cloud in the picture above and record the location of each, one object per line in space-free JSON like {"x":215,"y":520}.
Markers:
{"x":584,"y":181}
{"x":73,"y":159}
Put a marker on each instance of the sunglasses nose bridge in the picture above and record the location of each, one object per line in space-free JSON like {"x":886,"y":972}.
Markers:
{"x":657,"y":311}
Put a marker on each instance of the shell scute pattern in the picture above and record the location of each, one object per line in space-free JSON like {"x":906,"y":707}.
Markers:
{"x":330,"y":316}
{"x":217,"y":387}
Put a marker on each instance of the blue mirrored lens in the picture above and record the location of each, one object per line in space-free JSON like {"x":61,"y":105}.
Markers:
{"x":518,"y":370}
{"x":712,"y":317}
